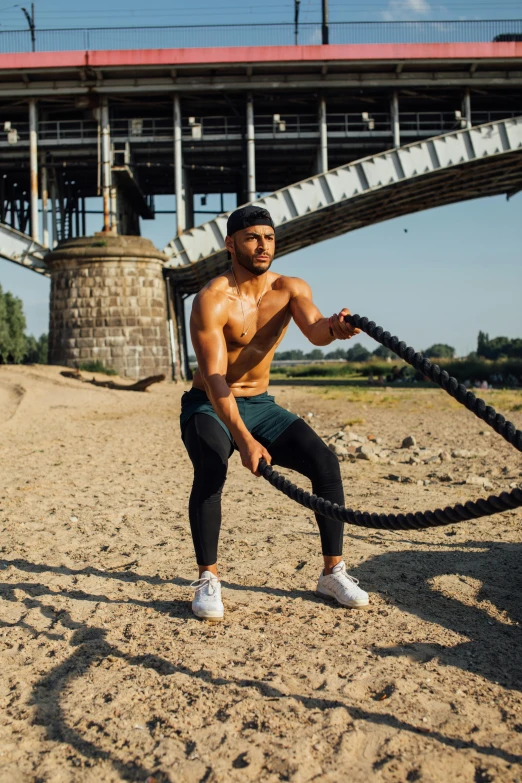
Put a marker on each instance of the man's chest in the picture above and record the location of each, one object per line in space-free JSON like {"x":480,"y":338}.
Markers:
{"x":264,"y":322}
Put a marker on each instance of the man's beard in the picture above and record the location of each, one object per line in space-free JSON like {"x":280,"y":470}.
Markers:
{"x":247,"y":263}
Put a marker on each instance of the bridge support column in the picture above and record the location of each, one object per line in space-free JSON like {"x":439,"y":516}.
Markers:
{"x":45,"y":201}
{"x":54,"y":216}
{"x":125,"y":219}
{"x":181,"y":323}
{"x":33,"y":162}
{"x":108,"y":303}
{"x":251,"y":150}
{"x":188,"y":201}
{"x":175,"y":351}
{"x":106,"y":164}
{"x":395,"y":121}
{"x":466,"y":107}
{"x":178,"y":167}
{"x":323,"y":138}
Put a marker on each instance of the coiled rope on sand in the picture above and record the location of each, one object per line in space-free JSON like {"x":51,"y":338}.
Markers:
{"x":483,"y":507}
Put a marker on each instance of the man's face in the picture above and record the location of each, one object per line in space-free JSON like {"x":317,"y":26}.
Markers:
{"x":253,"y":248}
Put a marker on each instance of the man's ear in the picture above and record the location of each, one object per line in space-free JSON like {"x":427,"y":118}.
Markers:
{"x":229,"y":244}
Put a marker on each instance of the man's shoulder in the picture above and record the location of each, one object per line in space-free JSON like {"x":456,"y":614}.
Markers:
{"x":215,"y":289}
{"x":211,"y":302}
{"x":295,"y":285}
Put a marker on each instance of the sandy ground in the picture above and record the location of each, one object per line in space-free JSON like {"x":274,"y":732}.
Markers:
{"x":106,"y":676}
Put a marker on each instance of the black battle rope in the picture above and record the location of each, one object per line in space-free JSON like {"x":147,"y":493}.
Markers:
{"x":421,"y":519}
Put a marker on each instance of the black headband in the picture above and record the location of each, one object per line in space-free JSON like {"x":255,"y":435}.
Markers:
{"x":248,"y":216}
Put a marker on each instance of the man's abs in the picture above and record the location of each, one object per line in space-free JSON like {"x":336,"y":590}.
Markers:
{"x":244,"y":378}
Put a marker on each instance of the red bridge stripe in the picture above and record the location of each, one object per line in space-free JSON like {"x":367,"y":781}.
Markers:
{"x":261,"y":54}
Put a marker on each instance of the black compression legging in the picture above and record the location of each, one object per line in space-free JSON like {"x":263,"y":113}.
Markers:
{"x":298,"y":448}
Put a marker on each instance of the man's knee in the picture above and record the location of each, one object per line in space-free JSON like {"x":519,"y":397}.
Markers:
{"x":327,"y":463}
{"x":323,"y":462}
{"x":209,"y":477}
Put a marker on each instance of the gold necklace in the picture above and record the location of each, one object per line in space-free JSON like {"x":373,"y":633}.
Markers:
{"x":245,"y":327}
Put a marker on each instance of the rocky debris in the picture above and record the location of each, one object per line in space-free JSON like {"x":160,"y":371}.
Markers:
{"x":408,"y":442}
{"x":479,"y":481}
{"x":367,"y":452}
{"x":413,"y":460}
{"x":466,"y":454}
{"x":443,"y":477}
{"x":445,"y":456}
{"x":400,"y":479}
{"x":431,"y":460}
{"x":352,"y":437}
{"x":338,"y":449}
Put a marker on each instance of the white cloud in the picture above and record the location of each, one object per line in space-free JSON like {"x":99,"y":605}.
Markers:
{"x":406,"y":10}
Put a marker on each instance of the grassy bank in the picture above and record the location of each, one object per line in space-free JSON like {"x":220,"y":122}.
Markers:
{"x":500,"y":373}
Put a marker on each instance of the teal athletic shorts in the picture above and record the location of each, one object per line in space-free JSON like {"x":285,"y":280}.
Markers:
{"x":262,"y":416}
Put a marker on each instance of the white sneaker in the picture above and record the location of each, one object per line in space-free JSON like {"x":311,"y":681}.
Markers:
{"x":342,"y":587}
{"x":207,"y":603}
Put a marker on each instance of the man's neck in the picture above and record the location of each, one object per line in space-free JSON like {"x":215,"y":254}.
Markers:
{"x":249,"y":284}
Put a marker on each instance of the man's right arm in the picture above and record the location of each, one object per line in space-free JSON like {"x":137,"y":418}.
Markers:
{"x":208,"y":319}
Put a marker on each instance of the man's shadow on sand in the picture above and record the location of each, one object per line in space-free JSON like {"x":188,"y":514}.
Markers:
{"x":493,"y":650}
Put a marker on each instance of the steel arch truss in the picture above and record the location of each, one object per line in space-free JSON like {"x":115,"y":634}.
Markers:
{"x":21,"y":249}
{"x":470,"y":163}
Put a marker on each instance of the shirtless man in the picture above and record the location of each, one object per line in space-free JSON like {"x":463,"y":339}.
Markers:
{"x":238,"y":320}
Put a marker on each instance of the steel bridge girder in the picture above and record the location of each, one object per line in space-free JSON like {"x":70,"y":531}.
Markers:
{"x":21,"y":249}
{"x":197,"y":255}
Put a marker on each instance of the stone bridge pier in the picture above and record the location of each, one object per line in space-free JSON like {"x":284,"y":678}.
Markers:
{"x":108,"y":303}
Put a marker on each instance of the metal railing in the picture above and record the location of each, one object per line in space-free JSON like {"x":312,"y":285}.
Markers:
{"x":204,"y":36}
{"x":291,"y":126}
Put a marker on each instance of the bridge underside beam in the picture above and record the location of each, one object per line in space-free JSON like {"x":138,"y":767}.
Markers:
{"x":467,"y":164}
{"x":21,"y":249}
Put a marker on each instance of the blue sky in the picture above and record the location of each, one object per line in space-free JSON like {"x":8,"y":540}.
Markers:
{"x":101,"y":13}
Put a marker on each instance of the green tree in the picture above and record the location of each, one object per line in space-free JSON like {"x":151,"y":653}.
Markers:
{"x":383,"y":353}
{"x":4,"y":330}
{"x":36,"y":351}
{"x":482,"y":344}
{"x":315,"y":354}
{"x":339,"y":353}
{"x":286,"y":356}
{"x":498,"y":347}
{"x":358,"y":353}
{"x":440,"y":351}
{"x":16,"y":325}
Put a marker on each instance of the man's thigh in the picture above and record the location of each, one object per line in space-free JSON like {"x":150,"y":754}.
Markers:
{"x":206,"y":441}
{"x":266,"y":420}
{"x":300,"y":448}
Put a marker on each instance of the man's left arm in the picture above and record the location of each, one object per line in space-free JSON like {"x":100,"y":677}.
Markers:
{"x":318,"y":329}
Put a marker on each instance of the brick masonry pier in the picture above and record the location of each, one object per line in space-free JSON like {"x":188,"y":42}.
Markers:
{"x":108,"y":303}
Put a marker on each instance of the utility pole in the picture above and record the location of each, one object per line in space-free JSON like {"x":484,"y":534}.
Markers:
{"x":296,"y":19}
{"x":31,"y":23}
{"x":325,"y":23}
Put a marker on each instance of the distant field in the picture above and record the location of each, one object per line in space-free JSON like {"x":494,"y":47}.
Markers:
{"x":503,"y":373}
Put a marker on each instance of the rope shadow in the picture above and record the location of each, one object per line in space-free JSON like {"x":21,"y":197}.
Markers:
{"x":498,"y":567}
